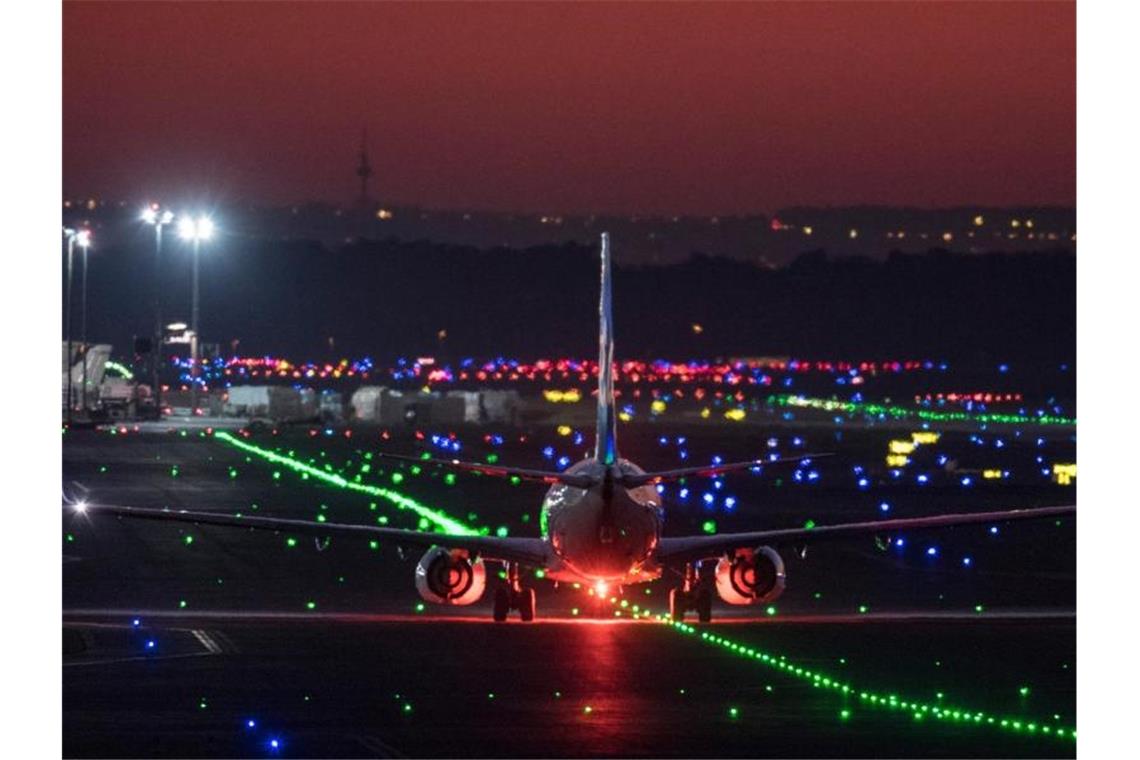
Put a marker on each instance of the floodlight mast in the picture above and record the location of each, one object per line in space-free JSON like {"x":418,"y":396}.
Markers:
{"x":84,"y":244}
{"x":195,"y":230}
{"x":159,"y":218}
{"x":83,"y":238}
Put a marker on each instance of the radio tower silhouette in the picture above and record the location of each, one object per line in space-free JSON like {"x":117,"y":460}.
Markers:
{"x":364,"y":170}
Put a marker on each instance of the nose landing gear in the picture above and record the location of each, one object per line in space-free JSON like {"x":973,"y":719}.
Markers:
{"x":693,"y":595}
{"x":513,"y":597}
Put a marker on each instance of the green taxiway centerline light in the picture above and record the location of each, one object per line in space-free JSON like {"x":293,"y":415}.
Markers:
{"x":938,"y":711}
{"x":902,"y":412}
{"x":441,"y":520}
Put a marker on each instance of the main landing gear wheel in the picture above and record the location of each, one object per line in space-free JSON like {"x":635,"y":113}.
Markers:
{"x":703,"y":604}
{"x":677,"y":604}
{"x":502,"y":604}
{"x":525,"y":604}
{"x":513,"y":597}
{"x":694,"y":594}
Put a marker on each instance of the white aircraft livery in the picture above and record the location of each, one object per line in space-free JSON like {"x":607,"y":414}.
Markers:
{"x":601,"y":525}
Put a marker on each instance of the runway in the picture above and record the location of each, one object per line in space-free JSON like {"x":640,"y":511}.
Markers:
{"x":331,"y":652}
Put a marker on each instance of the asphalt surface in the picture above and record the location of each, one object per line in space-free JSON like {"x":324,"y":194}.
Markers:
{"x":175,"y":637}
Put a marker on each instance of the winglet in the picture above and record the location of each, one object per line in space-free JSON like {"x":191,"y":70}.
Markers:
{"x":606,"y":447}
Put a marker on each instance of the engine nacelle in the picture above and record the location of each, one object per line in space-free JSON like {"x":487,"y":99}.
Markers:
{"x":450,"y":577}
{"x":750,"y":576}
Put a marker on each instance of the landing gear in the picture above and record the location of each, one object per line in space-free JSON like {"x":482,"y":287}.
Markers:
{"x":694,"y":594}
{"x":703,"y":604}
{"x":502,"y":604}
{"x":525,"y":605}
{"x":513,"y":597}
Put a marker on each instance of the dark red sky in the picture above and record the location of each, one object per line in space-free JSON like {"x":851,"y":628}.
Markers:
{"x":560,"y":108}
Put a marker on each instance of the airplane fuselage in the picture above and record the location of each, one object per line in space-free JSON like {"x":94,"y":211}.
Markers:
{"x":605,"y":532}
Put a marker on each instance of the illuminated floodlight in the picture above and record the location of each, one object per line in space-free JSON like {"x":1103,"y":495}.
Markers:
{"x":601,"y":588}
{"x":83,"y":238}
{"x":176,"y":326}
{"x":81,"y":507}
{"x":195,"y":229}
{"x":152,"y":215}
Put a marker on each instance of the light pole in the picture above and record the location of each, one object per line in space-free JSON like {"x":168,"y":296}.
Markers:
{"x":83,"y":330}
{"x":83,"y":238}
{"x":195,"y":230}
{"x":153,"y":215}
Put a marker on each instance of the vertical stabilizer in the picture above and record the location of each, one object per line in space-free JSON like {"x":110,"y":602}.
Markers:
{"x":606,"y":447}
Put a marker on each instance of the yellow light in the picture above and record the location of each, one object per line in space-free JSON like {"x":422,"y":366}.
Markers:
{"x":1015,"y":223}
{"x":807,"y":230}
{"x":383,"y":214}
{"x":925,"y":437}
{"x":657,"y":407}
{"x":736,"y":415}
{"x":991,"y":474}
{"x":563,"y":430}
{"x":947,"y":236}
{"x":901,"y":447}
{"x":979,"y":220}
{"x":555,"y":396}
{"x":897,"y":460}
{"x":625,"y":416}
{"x":1063,"y":474}
{"x":1029,"y":223}
{"x":705,"y":413}
{"x":698,"y":328}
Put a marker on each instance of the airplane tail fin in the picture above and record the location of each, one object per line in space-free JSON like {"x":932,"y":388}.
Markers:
{"x":606,"y":447}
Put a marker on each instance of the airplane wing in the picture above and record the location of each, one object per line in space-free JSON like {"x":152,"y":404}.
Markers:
{"x":694,"y":548}
{"x":570,"y":479}
{"x":631,"y":480}
{"x":526,"y":551}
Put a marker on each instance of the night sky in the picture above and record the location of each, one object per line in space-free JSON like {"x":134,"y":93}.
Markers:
{"x":558,"y":108}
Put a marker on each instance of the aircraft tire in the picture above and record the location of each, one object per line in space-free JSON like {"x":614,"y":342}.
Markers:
{"x":501,"y":605}
{"x":704,"y":605}
{"x":526,"y":605}
{"x":677,"y":604}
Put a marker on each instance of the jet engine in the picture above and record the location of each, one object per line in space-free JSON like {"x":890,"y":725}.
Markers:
{"x":450,"y":577}
{"x":750,"y":576}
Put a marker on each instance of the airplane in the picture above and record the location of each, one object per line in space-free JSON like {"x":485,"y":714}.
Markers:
{"x":600,"y":523}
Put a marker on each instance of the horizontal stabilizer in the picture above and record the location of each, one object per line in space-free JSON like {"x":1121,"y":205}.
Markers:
{"x":544,"y":476}
{"x":632,"y":480}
